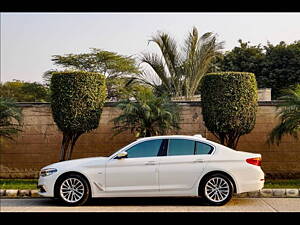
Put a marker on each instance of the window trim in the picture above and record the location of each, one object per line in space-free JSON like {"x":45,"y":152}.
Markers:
{"x":212,"y":150}
{"x":179,"y":139}
{"x":168,"y":138}
{"x":162,"y":144}
{"x":163,"y":147}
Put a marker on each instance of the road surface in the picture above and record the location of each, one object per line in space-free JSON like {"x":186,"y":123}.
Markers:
{"x":153,"y":205}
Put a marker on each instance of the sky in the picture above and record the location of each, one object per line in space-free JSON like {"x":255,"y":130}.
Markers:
{"x":29,"y":40}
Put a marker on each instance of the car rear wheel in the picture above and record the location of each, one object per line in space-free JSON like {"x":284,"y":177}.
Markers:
{"x":217,"y":189}
{"x":73,"y":190}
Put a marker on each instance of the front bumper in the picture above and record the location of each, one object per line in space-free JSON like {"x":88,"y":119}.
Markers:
{"x":46,"y":185}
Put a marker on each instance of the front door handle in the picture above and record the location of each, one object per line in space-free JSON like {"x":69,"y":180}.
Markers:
{"x":199,"y":160}
{"x":150,"y":163}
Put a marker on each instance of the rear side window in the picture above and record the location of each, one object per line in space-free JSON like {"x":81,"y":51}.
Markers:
{"x":181,"y":147}
{"x":203,"y":149}
{"x":145,"y":149}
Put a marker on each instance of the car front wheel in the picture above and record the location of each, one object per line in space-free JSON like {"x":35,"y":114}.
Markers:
{"x":217,"y":189}
{"x":73,"y":190}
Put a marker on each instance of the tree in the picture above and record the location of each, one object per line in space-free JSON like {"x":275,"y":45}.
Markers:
{"x":275,"y":66}
{"x":25,"y":91}
{"x":10,"y":118}
{"x":148,"y":115}
{"x":111,"y":64}
{"x":289,"y":114}
{"x":246,"y":58}
{"x":124,"y":87}
{"x":108,"y":63}
{"x":77,"y":99}
{"x":281,"y":66}
{"x":229,"y":105}
{"x":181,"y":72}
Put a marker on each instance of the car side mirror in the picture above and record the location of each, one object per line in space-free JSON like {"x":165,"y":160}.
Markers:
{"x":122,"y":155}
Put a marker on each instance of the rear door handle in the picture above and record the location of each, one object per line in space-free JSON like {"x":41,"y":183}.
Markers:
{"x":150,"y":163}
{"x":199,"y":160}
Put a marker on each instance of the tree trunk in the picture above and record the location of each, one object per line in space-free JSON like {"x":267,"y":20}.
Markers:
{"x":73,"y":141}
{"x":62,"y":149}
{"x":64,"y":146}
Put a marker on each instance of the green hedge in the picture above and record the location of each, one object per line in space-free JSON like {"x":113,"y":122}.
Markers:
{"x":77,"y":99}
{"x":229,"y":104}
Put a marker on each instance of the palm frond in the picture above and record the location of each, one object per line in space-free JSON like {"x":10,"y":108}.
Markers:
{"x":289,"y":115}
{"x":10,"y":118}
{"x":155,"y":62}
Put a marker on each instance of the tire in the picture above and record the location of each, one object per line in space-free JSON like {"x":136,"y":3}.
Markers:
{"x":73,"y":190}
{"x":217,"y":189}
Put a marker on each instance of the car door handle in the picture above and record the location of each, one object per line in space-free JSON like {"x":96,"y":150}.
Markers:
{"x":199,"y":161}
{"x":150,"y":163}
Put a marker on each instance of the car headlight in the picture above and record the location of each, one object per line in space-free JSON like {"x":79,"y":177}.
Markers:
{"x":47,"y":172}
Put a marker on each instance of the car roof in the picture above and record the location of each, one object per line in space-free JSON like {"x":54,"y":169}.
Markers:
{"x":195,"y":137}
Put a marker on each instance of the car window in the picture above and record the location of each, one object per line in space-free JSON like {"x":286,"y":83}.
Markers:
{"x":202,"y":149}
{"x":181,"y":147}
{"x":145,"y":149}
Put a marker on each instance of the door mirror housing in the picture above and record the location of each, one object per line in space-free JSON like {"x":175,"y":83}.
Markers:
{"x":122,"y":155}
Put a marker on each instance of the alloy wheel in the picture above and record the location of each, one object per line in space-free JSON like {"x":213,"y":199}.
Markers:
{"x":72,"y":190}
{"x":217,"y":189}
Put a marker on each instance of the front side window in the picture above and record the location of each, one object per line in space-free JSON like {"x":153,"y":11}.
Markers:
{"x":203,"y":149}
{"x":145,"y":149}
{"x":181,"y":147}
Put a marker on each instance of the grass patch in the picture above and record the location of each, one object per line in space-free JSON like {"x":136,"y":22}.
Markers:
{"x":282,"y":183}
{"x":18,"y":184}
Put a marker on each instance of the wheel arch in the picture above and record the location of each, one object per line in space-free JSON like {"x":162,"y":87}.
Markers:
{"x":65,"y":174}
{"x":201,"y":182}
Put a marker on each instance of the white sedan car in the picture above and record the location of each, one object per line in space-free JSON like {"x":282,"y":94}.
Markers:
{"x":156,"y":166}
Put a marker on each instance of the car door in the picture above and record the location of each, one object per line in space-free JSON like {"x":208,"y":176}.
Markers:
{"x":137,"y":172}
{"x":183,"y":164}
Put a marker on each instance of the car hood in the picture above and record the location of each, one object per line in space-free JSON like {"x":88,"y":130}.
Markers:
{"x":78,"y":162}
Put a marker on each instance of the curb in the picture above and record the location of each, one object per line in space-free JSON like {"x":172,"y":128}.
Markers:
{"x":15,"y":193}
{"x":271,"y":193}
{"x":263,"y":193}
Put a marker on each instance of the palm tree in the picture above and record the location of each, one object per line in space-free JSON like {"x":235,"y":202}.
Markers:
{"x":9,"y":111}
{"x":147,"y":115}
{"x":180,"y":72}
{"x":289,"y":115}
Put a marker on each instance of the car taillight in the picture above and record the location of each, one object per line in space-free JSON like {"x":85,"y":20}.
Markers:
{"x":254,"y":161}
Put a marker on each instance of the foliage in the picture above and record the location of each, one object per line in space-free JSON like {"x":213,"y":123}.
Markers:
{"x":148,"y":115}
{"x":25,"y":91}
{"x":246,"y":58}
{"x":181,"y":72}
{"x":289,"y":114}
{"x":115,"y":67}
{"x":77,"y":99}
{"x":108,"y":63}
{"x":281,"y":66}
{"x":275,"y":67}
{"x":10,"y":118}
{"x":229,"y":105}
{"x":123,"y":87}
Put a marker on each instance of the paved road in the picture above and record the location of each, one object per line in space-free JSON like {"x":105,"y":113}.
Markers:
{"x":153,"y":205}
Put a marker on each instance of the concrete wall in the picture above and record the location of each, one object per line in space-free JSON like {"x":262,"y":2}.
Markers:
{"x":39,"y":143}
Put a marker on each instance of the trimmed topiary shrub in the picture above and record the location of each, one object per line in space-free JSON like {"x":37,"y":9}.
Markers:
{"x":77,"y":99}
{"x":229,"y":105}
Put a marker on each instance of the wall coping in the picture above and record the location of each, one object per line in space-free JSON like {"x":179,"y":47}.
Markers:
{"x":111,"y":104}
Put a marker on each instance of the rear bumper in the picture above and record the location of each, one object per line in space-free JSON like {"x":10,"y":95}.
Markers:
{"x":252,"y":186}
{"x":253,"y":182}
